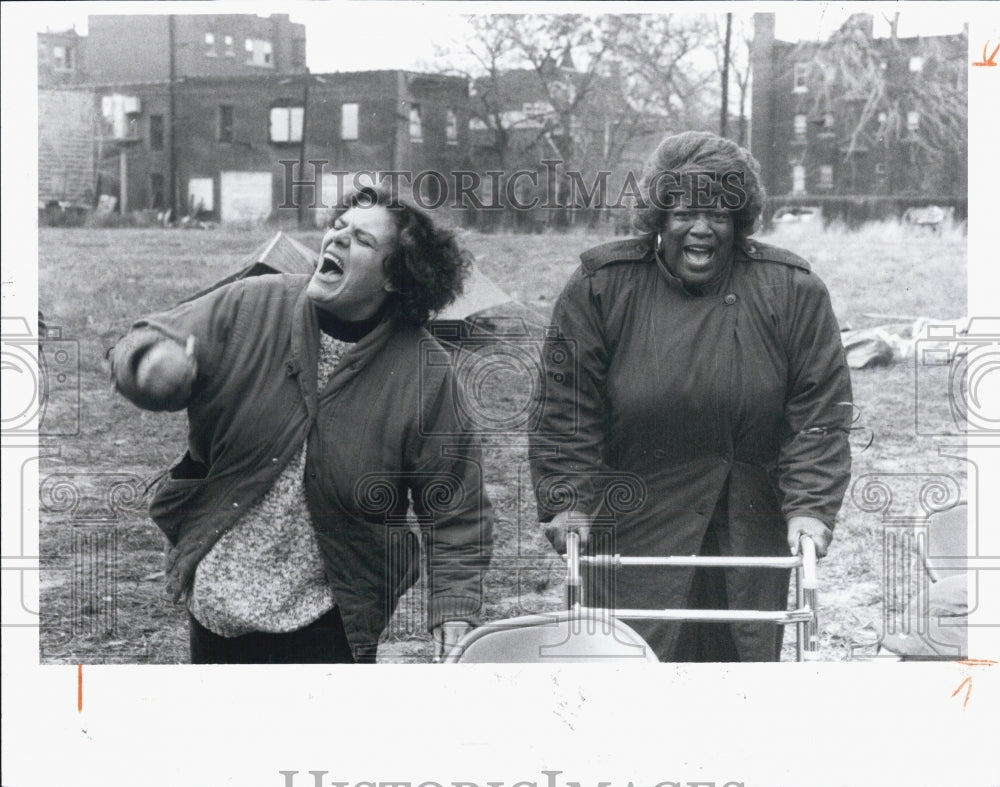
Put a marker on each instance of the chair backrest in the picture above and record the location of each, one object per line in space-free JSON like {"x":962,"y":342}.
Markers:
{"x":947,"y":538}
{"x":554,"y":638}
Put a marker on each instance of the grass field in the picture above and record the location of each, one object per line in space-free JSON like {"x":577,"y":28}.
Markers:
{"x":102,"y":596}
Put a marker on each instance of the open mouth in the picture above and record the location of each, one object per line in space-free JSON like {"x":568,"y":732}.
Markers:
{"x":698,"y":255}
{"x":331,"y":263}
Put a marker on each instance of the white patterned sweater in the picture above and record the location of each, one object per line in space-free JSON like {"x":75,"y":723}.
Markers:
{"x":266,"y":573}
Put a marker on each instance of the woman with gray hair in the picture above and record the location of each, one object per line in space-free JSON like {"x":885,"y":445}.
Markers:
{"x":707,"y":379}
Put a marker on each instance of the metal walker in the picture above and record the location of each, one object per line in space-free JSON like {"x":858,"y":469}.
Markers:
{"x":593,"y":634}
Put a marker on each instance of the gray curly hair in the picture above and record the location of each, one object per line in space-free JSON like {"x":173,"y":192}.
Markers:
{"x":685,"y":155}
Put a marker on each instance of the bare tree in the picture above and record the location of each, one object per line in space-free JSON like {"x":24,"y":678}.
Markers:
{"x":905,"y":97}
{"x":739,"y":65}
{"x":591,"y":92}
{"x":660,"y":85}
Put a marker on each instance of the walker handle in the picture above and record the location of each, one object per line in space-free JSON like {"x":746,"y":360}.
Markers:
{"x":808,"y":549}
{"x":573,"y":580}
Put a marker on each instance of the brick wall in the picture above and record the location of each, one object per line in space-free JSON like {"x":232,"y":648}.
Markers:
{"x":383,"y":142}
{"x":66,"y":146}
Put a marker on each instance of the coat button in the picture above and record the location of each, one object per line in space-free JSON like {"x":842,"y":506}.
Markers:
{"x":730,"y":299}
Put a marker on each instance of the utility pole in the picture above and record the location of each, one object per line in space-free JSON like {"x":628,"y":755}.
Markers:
{"x":300,"y":205}
{"x":172,"y":126}
{"x":724,"y":118}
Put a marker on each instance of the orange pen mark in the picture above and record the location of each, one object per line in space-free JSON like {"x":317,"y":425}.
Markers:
{"x":991,"y":60}
{"x":79,"y":688}
{"x":967,"y":683}
{"x":968,"y":692}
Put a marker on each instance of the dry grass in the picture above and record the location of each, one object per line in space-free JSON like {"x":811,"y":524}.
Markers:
{"x":92,"y":283}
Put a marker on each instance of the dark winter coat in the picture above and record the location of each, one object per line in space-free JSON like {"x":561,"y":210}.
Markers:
{"x":661,"y":397}
{"x":381,"y":432}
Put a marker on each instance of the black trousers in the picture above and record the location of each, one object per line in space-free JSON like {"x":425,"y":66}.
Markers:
{"x":701,"y":642}
{"x":324,"y":641}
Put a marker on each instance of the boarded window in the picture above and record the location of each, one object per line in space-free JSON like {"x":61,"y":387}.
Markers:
{"x":800,"y":78}
{"x":349,"y":121}
{"x":157,"y":192}
{"x":259,"y":53}
{"x":225,"y":123}
{"x":62,"y":58}
{"x":826,"y":176}
{"x":416,"y":125}
{"x":200,"y":195}
{"x":245,"y":196}
{"x":286,"y":124}
{"x":156,"y":132}
{"x":451,"y":127}
{"x":798,"y":179}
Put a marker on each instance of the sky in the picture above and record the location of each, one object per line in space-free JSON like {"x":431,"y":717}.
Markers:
{"x":358,"y":36}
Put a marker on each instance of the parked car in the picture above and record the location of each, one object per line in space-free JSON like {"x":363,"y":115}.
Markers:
{"x":797,"y":214}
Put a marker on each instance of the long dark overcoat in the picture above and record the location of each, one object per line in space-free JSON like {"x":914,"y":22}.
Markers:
{"x":655,"y":398}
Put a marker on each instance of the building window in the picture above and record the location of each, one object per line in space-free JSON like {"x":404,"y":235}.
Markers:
{"x":157,"y":194}
{"x":259,"y":53}
{"x":210,"y":44}
{"x":880,"y":169}
{"x":800,"y":125}
{"x":225,"y":123}
{"x":348,"y":122}
{"x":451,"y":127}
{"x":800,"y":78}
{"x":416,"y":125}
{"x":229,"y":44}
{"x":916,"y":65}
{"x":882,"y":118}
{"x":828,"y":121}
{"x":912,"y":120}
{"x":156,"y":132}
{"x":62,"y":58}
{"x":798,"y":179}
{"x":826,"y":176}
{"x":286,"y":124}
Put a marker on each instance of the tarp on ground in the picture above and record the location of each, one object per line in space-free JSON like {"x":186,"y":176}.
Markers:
{"x":943,"y":340}
{"x":284,"y":254}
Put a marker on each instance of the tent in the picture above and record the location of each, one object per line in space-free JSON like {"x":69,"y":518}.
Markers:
{"x":284,"y":254}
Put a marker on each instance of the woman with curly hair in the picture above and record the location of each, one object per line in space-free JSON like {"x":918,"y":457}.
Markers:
{"x":314,"y":420}
{"x":708,"y":379}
